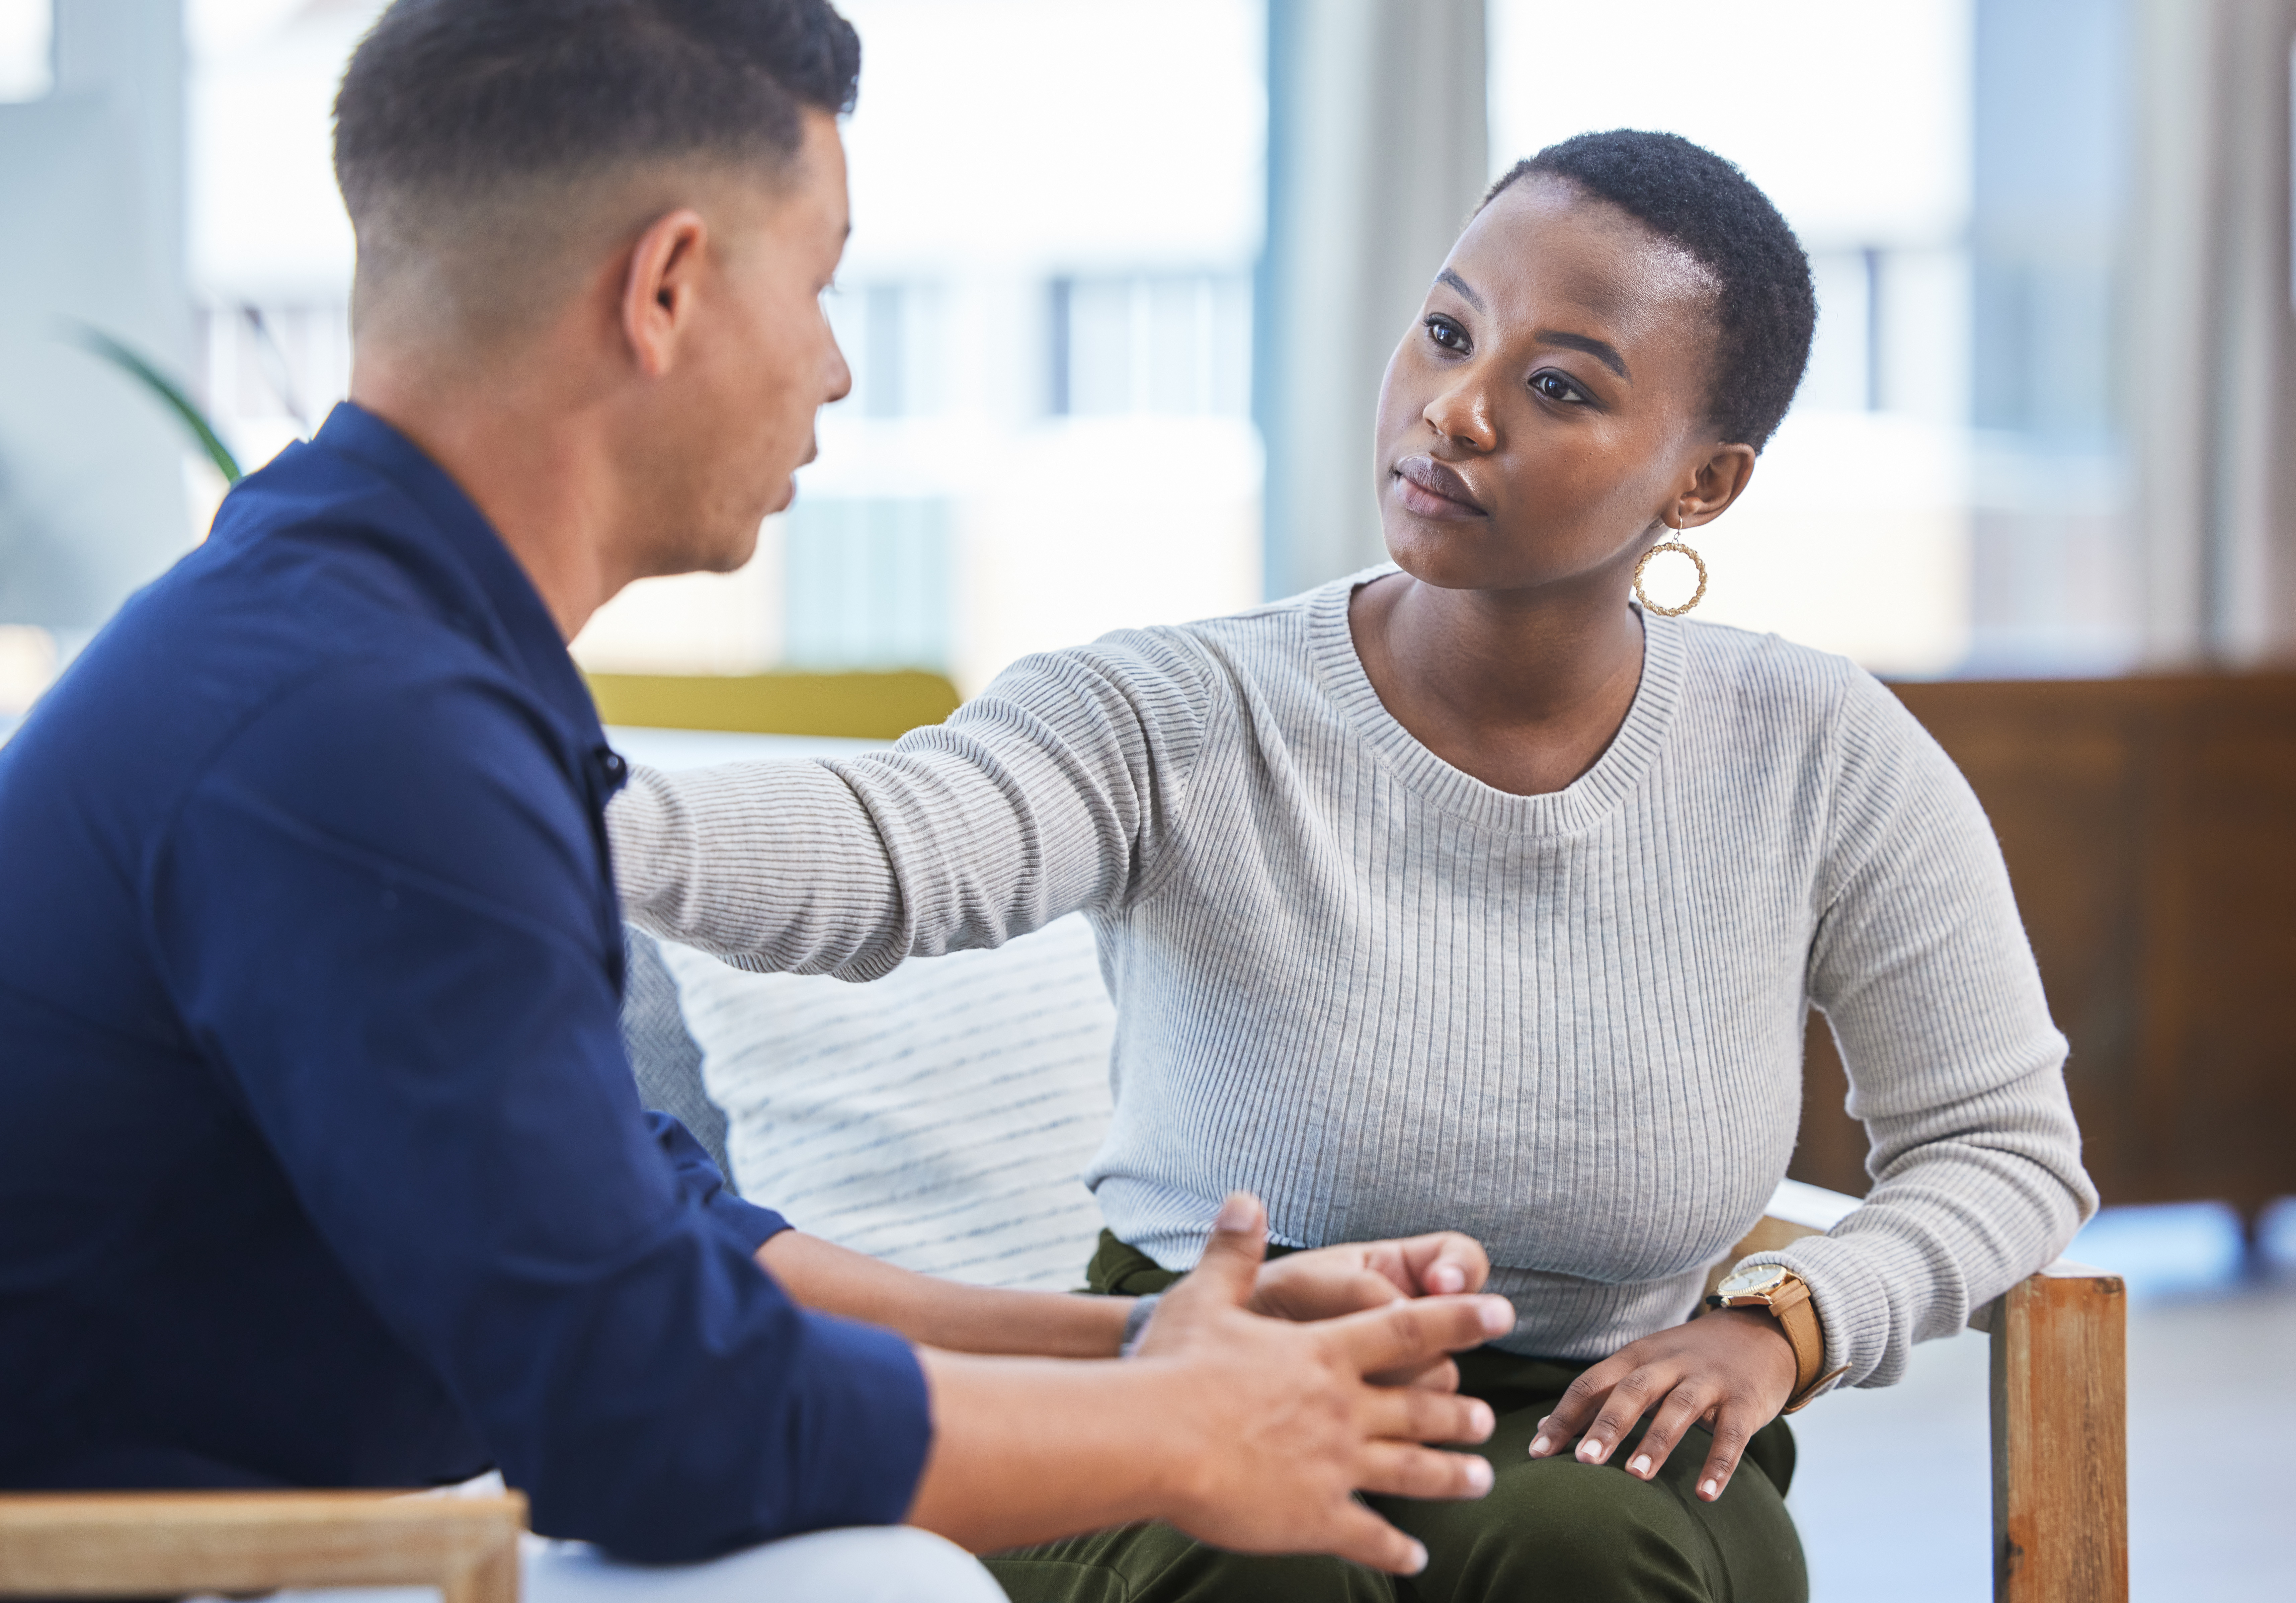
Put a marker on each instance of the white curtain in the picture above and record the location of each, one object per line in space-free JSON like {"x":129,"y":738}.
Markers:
{"x":1378,"y":149}
{"x":2209,"y":366}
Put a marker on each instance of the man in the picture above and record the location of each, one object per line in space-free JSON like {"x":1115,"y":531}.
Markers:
{"x":320,"y":1163}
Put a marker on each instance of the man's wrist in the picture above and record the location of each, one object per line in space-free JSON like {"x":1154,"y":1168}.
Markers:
{"x":1135,"y":1324}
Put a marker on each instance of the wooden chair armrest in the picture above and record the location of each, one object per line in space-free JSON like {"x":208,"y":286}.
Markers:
{"x":2060,"y":1406}
{"x":2061,"y":1438}
{"x":168,"y":1543}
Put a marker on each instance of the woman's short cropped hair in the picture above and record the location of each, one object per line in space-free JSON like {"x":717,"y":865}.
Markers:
{"x":451,"y":103}
{"x":1766,"y":306}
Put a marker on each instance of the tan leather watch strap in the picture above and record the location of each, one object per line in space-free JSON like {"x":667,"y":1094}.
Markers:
{"x":1791,"y":1306}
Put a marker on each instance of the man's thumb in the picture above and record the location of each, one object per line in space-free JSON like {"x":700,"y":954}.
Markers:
{"x":1232,"y":1257}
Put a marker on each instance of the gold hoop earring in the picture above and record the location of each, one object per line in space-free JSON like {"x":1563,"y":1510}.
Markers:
{"x":1696,"y":561}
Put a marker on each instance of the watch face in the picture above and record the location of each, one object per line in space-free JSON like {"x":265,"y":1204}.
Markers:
{"x":1753,"y":1279}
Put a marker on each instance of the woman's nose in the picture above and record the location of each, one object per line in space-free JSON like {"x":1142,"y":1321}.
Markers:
{"x":1463,"y":413}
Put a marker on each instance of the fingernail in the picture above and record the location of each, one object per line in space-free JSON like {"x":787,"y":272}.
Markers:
{"x":1591,"y":1451}
{"x":1498,"y":1315}
{"x":1478,"y":1474}
{"x":1710,"y":1489}
{"x":1235,"y":1213}
{"x":1447,"y":1277}
{"x":1481,"y":1420}
{"x":1539,"y":1446}
{"x":1640,"y":1465}
{"x":1418,"y":1558}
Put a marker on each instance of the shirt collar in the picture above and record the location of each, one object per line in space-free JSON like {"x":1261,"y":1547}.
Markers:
{"x":519,"y":628}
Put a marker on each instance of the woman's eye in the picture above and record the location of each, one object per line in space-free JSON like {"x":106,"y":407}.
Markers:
{"x":1447,"y":333}
{"x":1555,"y":387}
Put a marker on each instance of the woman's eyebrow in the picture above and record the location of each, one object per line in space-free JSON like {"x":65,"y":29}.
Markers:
{"x":1459,"y":285}
{"x":1600,"y":350}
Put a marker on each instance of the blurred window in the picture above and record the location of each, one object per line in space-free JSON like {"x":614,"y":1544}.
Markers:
{"x":1177,"y":344}
{"x":866,"y":583}
{"x":2055,"y":584}
{"x":893,"y":335}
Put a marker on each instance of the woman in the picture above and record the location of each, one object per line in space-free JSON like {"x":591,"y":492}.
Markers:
{"x":1468,"y":894}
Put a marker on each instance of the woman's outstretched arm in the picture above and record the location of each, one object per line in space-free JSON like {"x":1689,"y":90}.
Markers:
{"x":1048,"y":794}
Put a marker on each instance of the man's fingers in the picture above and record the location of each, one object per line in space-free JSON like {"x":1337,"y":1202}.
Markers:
{"x":1415,"y":1414}
{"x":1364,"y":1288}
{"x":1441,"y":1375}
{"x":1232,"y":1257}
{"x":1359,"y":1534}
{"x":1396,"y":1469}
{"x":1679,"y":1411}
{"x":1402,"y":1334}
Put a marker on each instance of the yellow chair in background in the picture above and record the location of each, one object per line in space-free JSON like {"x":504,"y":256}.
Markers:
{"x":860,"y":706}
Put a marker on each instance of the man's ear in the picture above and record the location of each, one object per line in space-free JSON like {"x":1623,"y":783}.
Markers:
{"x":661,"y":289}
{"x":1722,"y":479}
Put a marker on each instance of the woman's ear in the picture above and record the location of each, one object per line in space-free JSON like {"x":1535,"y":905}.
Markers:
{"x":1722,"y":479}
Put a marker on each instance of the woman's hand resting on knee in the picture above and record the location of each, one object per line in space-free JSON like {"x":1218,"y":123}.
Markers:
{"x":1732,"y":1370}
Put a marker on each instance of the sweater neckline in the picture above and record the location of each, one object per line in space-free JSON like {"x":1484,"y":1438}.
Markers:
{"x":1580,"y":805}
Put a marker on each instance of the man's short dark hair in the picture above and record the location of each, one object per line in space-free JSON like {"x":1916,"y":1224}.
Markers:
{"x":447,"y":102}
{"x":1687,"y":195}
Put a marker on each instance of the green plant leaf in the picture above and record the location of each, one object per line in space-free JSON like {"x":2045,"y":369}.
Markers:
{"x":130,"y":361}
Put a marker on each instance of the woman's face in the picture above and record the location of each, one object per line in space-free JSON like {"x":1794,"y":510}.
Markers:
{"x":1548,"y":406}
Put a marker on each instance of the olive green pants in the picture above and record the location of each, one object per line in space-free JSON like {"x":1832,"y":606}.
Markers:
{"x":1550,"y":1528}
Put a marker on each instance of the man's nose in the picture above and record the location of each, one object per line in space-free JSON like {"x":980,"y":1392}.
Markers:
{"x":840,"y":375}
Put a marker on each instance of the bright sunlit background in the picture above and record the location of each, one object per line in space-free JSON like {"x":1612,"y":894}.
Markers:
{"x":1046,"y":305}
{"x":1048,"y":308}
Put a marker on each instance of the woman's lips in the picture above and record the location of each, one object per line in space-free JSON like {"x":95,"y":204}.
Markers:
{"x":1431,"y":489}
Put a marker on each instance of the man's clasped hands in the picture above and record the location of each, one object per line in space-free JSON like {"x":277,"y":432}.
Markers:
{"x":1352,"y":1378}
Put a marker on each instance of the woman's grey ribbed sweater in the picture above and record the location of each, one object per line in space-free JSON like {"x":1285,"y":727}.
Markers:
{"x":1389,"y":999}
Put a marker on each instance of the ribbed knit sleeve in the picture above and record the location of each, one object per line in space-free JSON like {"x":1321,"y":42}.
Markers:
{"x":1048,"y":794}
{"x":1922,"y":967}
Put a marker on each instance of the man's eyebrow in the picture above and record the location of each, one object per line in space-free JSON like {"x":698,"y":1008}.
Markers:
{"x":1600,"y":350}
{"x":1459,"y":285}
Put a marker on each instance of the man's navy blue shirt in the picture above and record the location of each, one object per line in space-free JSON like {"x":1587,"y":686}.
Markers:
{"x":321,"y":1163}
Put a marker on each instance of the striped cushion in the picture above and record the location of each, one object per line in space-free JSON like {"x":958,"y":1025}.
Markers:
{"x":937,"y":1118}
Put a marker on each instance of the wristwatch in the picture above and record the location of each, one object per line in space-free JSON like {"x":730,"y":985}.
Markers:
{"x":1786,"y":1295}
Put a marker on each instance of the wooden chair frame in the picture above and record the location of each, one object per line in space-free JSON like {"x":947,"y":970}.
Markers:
{"x":165,"y":1544}
{"x":2060,"y":1481}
